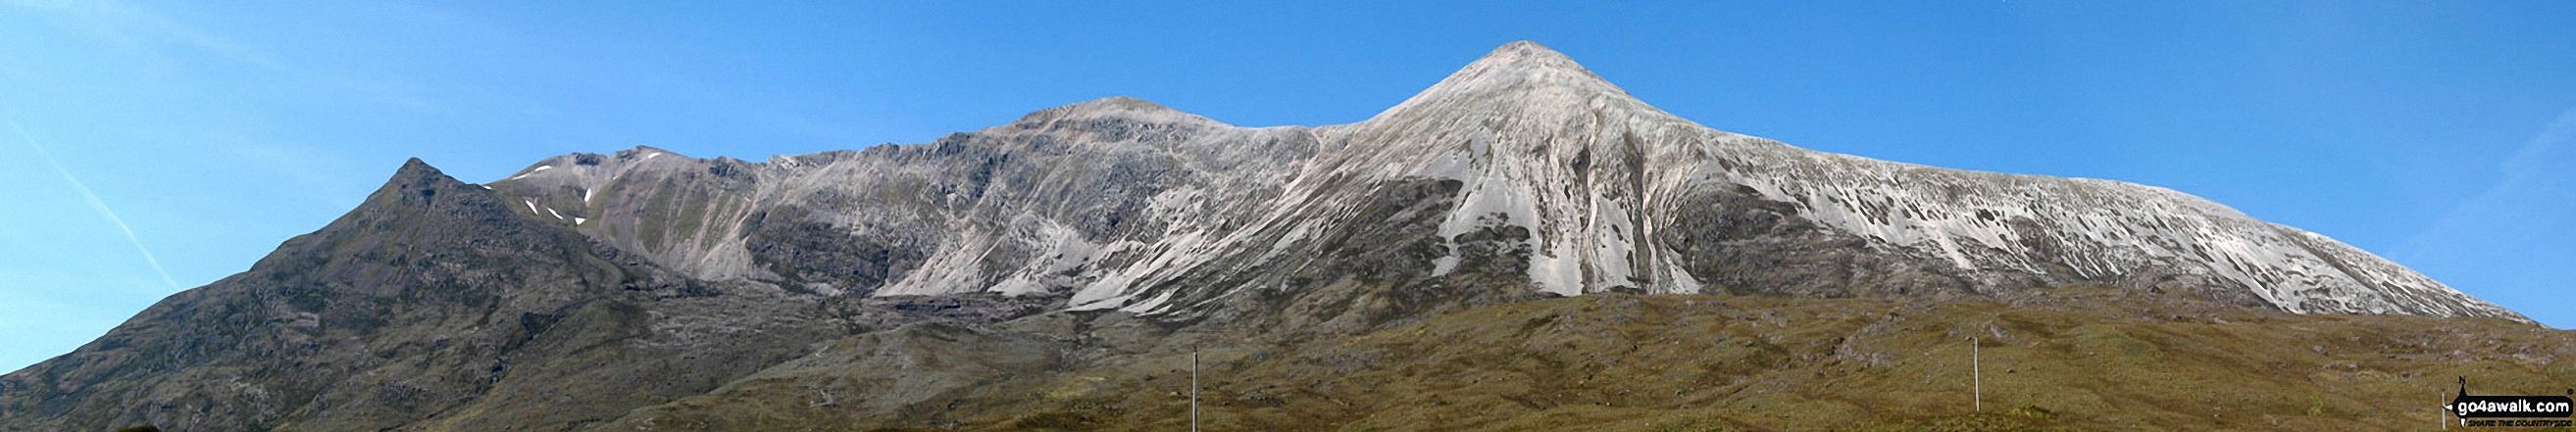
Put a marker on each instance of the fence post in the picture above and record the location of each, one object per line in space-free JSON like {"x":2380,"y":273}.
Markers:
{"x":1194,"y":390}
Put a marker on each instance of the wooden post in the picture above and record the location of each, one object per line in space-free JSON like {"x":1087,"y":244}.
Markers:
{"x":1976,"y":373}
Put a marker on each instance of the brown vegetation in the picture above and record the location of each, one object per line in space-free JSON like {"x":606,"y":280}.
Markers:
{"x":2086,"y":358}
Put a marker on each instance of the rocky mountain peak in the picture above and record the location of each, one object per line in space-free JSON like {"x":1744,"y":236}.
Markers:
{"x":1521,"y":79}
{"x":1529,"y":54}
{"x":417,"y":172}
{"x":419,"y":186}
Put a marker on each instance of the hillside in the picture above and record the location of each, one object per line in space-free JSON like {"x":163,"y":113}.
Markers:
{"x":2075,"y":358}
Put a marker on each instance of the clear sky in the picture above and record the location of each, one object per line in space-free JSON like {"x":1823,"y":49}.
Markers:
{"x":154,"y":146}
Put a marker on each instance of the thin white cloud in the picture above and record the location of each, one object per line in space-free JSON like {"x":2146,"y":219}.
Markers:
{"x":2539,"y":183}
{"x":138,"y":28}
{"x":95,"y":203}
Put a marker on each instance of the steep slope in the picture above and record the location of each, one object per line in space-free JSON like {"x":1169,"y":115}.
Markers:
{"x":1522,"y":173}
{"x":429,"y":305}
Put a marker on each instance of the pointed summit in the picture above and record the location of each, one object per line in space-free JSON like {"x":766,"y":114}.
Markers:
{"x":1529,"y":54}
{"x":1520,"y":74}
{"x":415,"y":168}
{"x":1523,"y":66}
{"x":418,"y":187}
{"x":416,"y":183}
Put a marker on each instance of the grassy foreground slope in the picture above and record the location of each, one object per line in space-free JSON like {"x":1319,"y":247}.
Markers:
{"x":2079,"y":358}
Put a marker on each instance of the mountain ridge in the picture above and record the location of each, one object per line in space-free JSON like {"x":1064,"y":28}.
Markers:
{"x":1598,"y":180}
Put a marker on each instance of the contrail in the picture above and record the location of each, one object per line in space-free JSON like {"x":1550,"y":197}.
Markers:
{"x":95,"y":203}
{"x":2532,"y":195}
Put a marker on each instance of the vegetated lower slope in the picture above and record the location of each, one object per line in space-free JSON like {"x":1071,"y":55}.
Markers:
{"x":2074,"y":358}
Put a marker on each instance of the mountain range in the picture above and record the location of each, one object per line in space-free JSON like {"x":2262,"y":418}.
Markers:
{"x":1040,"y":273}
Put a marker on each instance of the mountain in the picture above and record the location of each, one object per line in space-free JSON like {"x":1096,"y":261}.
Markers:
{"x":1522,"y":169}
{"x":430,"y":306}
{"x":1054,"y":272}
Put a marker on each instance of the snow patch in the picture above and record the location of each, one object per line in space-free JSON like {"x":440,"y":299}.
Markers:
{"x":1061,"y":249}
{"x":1170,"y":254}
{"x":540,"y":168}
{"x":1148,"y":305}
{"x":950,"y":270}
{"x":1682,"y":281}
{"x":1444,"y":264}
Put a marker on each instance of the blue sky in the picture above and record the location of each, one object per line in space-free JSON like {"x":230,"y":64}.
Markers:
{"x":158,"y":146}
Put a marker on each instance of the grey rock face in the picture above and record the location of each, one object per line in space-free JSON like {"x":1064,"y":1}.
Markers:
{"x":1521,"y":169}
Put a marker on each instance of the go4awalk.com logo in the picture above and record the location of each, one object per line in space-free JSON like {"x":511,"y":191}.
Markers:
{"x":2509,"y":411}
